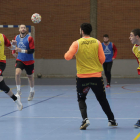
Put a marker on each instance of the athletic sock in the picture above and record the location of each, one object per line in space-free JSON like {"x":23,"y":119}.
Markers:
{"x":31,"y":89}
{"x":18,"y":87}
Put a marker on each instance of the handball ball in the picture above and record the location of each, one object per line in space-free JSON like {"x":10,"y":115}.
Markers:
{"x":36,"y":18}
{"x":39,"y":75}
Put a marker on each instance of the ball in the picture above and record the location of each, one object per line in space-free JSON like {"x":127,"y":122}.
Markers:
{"x":36,"y":18}
{"x":39,"y":75}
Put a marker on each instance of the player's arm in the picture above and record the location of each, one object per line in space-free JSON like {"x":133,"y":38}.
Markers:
{"x":115,"y":51}
{"x":101,"y":54}
{"x":72,"y":51}
{"x":8,"y":44}
{"x":31,"y":46}
{"x":135,"y":55}
{"x":13,"y":51}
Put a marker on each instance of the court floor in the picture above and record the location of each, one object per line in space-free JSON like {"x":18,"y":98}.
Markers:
{"x":54,"y":112}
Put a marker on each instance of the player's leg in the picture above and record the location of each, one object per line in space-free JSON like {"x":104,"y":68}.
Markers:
{"x":97,"y":87}
{"x":30,"y":74}
{"x":108,"y":73}
{"x":19,"y":67}
{"x":82,"y":91}
{"x":105,"y":70}
{"x":7,"y":90}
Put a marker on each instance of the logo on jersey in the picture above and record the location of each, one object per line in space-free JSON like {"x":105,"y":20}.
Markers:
{"x":21,"y":46}
{"x":107,"y":51}
{"x":21,"y":39}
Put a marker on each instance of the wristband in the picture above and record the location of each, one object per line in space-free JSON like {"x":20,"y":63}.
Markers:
{"x":23,"y":51}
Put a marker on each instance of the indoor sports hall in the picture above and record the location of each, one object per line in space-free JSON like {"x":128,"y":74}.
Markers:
{"x":54,"y":113}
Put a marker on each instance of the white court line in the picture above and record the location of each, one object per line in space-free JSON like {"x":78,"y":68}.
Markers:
{"x":69,"y":118}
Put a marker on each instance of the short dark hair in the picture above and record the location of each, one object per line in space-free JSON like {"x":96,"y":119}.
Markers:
{"x":87,"y":28}
{"x":136,"y":32}
{"x":106,"y":35}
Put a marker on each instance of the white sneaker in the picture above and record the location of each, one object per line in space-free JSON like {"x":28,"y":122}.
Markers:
{"x":18,"y":93}
{"x":18,"y":102}
{"x":112,"y":123}
{"x":85,"y":124}
{"x":31,"y":96}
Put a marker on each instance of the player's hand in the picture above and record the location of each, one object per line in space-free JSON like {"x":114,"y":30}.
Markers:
{"x":17,"y":49}
{"x":15,"y":55}
{"x":14,"y":42}
{"x":113,"y":58}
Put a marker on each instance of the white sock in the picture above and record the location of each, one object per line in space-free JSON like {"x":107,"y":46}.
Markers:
{"x":18,"y":87}
{"x":31,"y":89}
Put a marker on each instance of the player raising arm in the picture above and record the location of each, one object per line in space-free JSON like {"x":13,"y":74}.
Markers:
{"x":24,"y":59}
{"x":5,"y":42}
{"x":89,"y":59}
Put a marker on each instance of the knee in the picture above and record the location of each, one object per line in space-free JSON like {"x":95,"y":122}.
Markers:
{"x":4,"y":87}
{"x":30,"y":76}
{"x":17,"y":74}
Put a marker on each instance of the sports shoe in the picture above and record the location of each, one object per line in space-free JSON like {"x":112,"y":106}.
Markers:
{"x":31,"y":96}
{"x":112,"y":123}
{"x":107,"y":86}
{"x":137,"y":125}
{"x":85,"y":124}
{"x":18,"y":102}
{"x":18,"y":93}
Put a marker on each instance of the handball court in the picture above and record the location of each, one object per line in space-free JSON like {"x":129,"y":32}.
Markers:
{"x":54,"y":114}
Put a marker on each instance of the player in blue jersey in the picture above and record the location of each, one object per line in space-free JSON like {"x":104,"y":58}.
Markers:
{"x":110,"y":51}
{"x":24,"y":59}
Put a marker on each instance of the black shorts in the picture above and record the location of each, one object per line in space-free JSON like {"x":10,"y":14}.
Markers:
{"x":83,"y":86}
{"x":2,"y":67}
{"x":28,"y":68}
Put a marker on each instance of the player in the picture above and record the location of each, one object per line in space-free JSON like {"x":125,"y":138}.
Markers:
{"x":135,"y":39}
{"x":89,"y":59}
{"x":5,"y":42}
{"x":110,"y":51}
{"x":24,"y":59}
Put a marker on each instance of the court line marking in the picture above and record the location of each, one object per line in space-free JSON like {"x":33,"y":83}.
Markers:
{"x":69,"y":118}
{"x":123,"y":87}
{"x":32,"y":104}
{"x":137,"y":137}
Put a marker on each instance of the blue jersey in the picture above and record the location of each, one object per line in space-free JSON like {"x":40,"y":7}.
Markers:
{"x":108,"y":51}
{"x":23,"y":44}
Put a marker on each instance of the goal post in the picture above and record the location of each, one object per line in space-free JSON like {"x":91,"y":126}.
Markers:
{"x":10,"y":31}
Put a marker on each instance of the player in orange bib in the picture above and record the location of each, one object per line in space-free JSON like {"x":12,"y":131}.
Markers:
{"x":135,"y":39}
{"x":5,"y":42}
{"x":89,"y":59}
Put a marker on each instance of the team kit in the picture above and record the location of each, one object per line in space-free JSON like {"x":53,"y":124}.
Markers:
{"x":92,"y":57}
